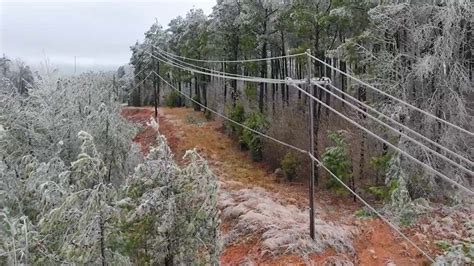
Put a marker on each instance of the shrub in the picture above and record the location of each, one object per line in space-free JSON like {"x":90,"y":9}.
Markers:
{"x":257,"y":122}
{"x":337,"y":160}
{"x":381,"y":163}
{"x":443,"y":244}
{"x":236,"y":113}
{"x":289,"y":163}
{"x":251,"y":91}
{"x":364,"y":213}
{"x":384,"y":192}
{"x":407,"y":217}
{"x":173,"y":99}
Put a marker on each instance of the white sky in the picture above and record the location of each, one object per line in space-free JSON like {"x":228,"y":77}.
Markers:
{"x":99,"y":33}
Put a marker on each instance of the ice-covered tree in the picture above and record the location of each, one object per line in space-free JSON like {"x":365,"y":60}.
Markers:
{"x":170,"y":214}
{"x":46,"y":123}
{"x":421,"y":52}
{"x":74,"y":189}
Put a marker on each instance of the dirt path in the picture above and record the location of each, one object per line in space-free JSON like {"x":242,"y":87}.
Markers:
{"x":250,"y":197}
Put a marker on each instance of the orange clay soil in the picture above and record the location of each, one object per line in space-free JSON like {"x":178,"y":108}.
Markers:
{"x":185,"y":129}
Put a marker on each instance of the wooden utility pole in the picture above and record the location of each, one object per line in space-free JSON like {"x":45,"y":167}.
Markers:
{"x":311,"y":139}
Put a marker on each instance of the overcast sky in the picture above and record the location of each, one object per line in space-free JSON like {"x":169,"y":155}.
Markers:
{"x":99,"y":33}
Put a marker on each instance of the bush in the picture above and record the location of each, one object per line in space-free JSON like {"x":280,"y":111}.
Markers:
{"x":407,"y":217}
{"x":381,"y":163}
{"x":236,"y":113}
{"x":289,"y":163}
{"x":173,"y":99}
{"x":251,"y":91}
{"x":364,"y":213}
{"x":257,"y":122}
{"x":384,"y":192}
{"x":337,"y":160}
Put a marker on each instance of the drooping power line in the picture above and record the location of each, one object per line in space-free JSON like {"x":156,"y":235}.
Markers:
{"x":401,"y":125}
{"x":241,"y":78}
{"x":230,"y":61}
{"x":294,"y":83}
{"x":427,"y":167}
{"x":358,"y":109}
{"x":393,"y":97}
{"x":395,"y":228}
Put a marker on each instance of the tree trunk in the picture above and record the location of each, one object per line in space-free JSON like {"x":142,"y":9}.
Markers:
{"x":263,"y":71}
{"x":197,"y":93}
{"x":343,"y":79}
{"x":361,"y":96}
{"x":102,"y":242}
{"x":225,"y":84}
{"x":179,"y":89}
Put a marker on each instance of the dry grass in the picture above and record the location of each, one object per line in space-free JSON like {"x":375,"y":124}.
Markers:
{"x":283,"y":228}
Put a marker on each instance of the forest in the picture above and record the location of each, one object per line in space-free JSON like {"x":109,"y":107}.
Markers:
{"x":202,"y":149}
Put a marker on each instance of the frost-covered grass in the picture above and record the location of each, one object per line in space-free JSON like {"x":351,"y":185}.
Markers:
{"x":284,"y":229}
{"x":453,"y":229}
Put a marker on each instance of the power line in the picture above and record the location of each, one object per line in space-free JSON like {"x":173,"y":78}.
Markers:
{"x":407,"y":128}
{"x":385,"y":141}
{"x":311,"y":157}
{"x":139,"y":72}
{"x":435,"y":171}
{"x":392,"y":97}
{"x":242,"y":78}
{"x":230,"y":120}
{"x":434,"y":152}
{"x":185,"y":64}
{"x":402,"y":125}
{"x":330,"y":66}
{"x":231,"y":61}
{"x":170,"y":62}
{"x":396,"y":131}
